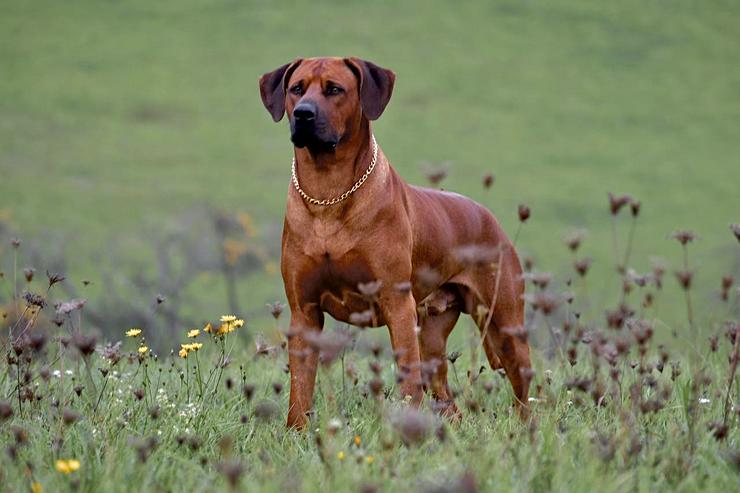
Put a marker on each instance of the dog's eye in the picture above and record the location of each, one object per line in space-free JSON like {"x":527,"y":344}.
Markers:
{"x":297,"y":90}
{"x":334,"y":90}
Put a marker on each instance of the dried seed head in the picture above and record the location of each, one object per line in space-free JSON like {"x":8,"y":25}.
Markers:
{"x":276,"y":309}
{"x":33,"y":299}
{"x":369,"y":290}
{"x":617,"y":202}
{"x":573,"y":240}
{"x":524,"y":212}
{"x":85,"y":344}
{"x":232,"y":470}
{"x":70,"y":416}
{"x":582,"y":265}
{"x":684,"y":278}
{"x":488,"y":180}
{"x":265,"y":410}
{"x":635,"y":207}
{"x":683,"y":236}
{"x":28,"y":273}
{"x":435,"y":174}
{"x":6,"y":411}
{"x":361,"y":319}
{"x":735,"y":228}
{"x":412,"y":425}
{"x":54,"y":278}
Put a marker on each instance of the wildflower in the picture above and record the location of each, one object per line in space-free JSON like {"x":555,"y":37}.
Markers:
{"x":617,"y":202}
{"x":228,"y":318}
{"x":358,"y":440}
{"x":735,"y":228}
{"x":369,"y":459}
{"x":183,"y":353}
{"x":133,"y":332}
{"x":488,"y":180}
{"x":208,"y":328}
{"x":67,"y":466}
{"x":36,"y":487}
{"x":683,"y":236}
{"x":193,"y":333}
{"x":276,"y":309}
{"x":333,"y":426}
{"x":704,"y":400}
{"x":143,"y":349}
{"x":340,"y":455}
{"x":524,"y":212}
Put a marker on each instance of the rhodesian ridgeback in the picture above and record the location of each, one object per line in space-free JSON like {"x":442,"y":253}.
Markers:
{"x":358,"y":239}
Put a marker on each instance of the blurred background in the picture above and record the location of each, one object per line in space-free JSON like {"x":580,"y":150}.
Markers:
{"x":136,"y":157}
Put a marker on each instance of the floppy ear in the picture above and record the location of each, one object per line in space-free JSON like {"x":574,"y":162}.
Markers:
{"x":272,"y":88}
{"x":376,"y":86}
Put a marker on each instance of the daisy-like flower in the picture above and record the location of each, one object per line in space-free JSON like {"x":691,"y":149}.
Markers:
{"x":186,"y":348}
{"x":36,"y":487}
{"x":228,"y":318}
{"x":369,"y":459}
{"x":340,"y":455}
{"x":358,"y":440}
{"x":67,"y":466}
{"x":143,"y":349}
{"x":208,"y":328}
{"x":193,"y":333}
{"x":133,"y":332}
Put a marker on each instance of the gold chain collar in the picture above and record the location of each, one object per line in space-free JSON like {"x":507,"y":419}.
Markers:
{"x":346,"y":194}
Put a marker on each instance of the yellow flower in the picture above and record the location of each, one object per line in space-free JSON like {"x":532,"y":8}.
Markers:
{"x":340,"y":455}
{"x":358,"y":440}
{"x":228,"y":318}
{"x":191,"y":347}
{"x":67,"y":466}
{"x":133,"y":332}
{"x":143,"y":349}
{"x":238,"y":323}
{"x":208,"y":328}
{"x":193,"y":333}
{"x":36,"y":487}
{"x":183,"y":353}
{"x":369,"y":459}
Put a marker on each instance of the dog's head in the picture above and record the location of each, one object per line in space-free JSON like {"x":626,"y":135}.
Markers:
{"x":326,"y":98}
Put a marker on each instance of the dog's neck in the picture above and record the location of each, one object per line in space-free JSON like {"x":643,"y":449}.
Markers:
{"x":327,"y":175}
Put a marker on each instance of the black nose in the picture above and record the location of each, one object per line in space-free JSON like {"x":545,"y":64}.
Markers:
{"x":304,"y":112}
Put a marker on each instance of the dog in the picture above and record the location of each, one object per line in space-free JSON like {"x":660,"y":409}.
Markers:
{"x":358,"y":239}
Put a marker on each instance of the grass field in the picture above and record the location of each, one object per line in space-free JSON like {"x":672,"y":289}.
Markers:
{"x":131,"y":132}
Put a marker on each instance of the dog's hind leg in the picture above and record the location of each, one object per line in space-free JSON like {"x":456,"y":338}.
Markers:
{"x":504,"y":337}
{"x":435,"y":328}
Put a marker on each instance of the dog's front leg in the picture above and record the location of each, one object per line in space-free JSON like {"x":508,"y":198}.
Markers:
{"x":303,"y":361}
{"x":399,"y":310}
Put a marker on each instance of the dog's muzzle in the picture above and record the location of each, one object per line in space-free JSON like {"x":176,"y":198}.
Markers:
{"x":309,"y":129}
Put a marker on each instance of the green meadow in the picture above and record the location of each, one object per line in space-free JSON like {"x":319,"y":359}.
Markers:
{"x":136,"y":159}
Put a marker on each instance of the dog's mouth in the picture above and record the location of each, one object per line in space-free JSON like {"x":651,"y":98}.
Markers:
{"x":314,"y":137}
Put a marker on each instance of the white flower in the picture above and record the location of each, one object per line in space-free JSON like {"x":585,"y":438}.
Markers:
{"x":533,"y":399}
{"x":69,"y":372}
{"x":704,"y":400}
{"x":57,"y":373}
